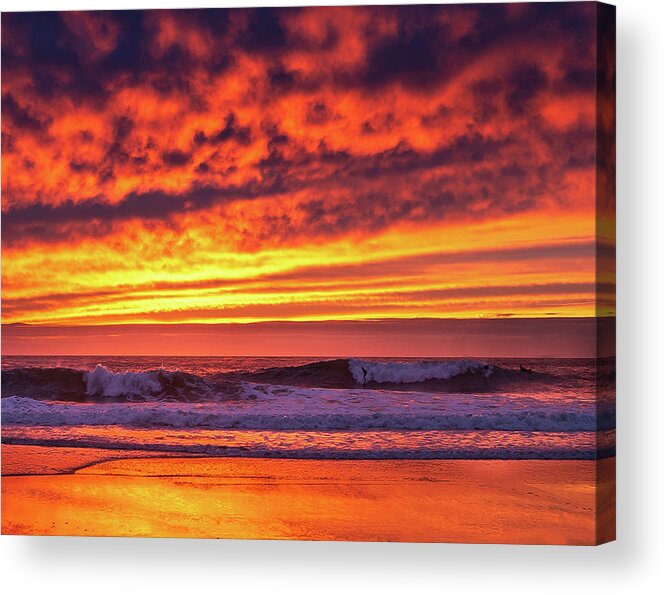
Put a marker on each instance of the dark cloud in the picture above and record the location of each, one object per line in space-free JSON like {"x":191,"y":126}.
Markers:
{"x":147,"y":205}
{"x":82,"y":166}
{"x":176,"y":158}
{"x":8,"y":142}
{"x":20,"y":116}
{"x":524,"y":84}
{"x":55,"y":66}
{"x":508,"y":188}
{"x":58,"y":69}
{"x":318,"y":113}
{"x":412,"y":57}
{"x":577,"y":79}
{"x":122,"y":127}
{"x":264,"y":32}
{"x":52,"y":223}
{"x":474,"y":168}
{"x":231,"y":130}
{"x":168,"y":77}
{"x":86,"y":136}
{"x":423,"y":52}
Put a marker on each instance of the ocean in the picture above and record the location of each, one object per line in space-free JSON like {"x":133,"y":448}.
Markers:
{"x":307,"y":407}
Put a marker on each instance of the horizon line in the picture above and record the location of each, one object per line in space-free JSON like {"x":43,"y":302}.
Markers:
{"x":312,"y":321}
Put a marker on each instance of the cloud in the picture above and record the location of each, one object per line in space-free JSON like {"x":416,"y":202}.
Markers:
{"x":271,"y":129}
{"x":230,"y":130}
{"x":21,"y":117}
{"x":176,"y":158}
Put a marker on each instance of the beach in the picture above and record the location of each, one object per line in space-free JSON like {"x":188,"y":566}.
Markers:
{"x":388,"y":449}
{"x":481,"y":501}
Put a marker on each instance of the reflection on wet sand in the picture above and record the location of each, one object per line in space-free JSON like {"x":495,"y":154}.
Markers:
{"x":485,"y":501}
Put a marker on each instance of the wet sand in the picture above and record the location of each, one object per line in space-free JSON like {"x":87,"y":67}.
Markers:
{"x":488,"y":501}
{"x":38,"y":460}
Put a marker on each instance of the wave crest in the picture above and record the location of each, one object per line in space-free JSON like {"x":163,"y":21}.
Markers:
{"x":102,"y":382}
{"x":468,"y":376}
{"x":365,"y":372}
{"x":428,"y":375}
{"x":67,"y":384}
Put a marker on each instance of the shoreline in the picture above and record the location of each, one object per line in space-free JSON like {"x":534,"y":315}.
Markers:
{"x":46,"y":458}
{"x":444,"y":500}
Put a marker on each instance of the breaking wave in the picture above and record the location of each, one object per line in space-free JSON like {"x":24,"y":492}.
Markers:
{"x":66,"y":384}
{"x":462,"y":375}
{"x":365,"y":372}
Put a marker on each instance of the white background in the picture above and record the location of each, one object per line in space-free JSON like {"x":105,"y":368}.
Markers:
{"x":632,"y":564}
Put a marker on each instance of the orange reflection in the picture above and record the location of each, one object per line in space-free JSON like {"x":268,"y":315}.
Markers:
{"x":453,"y":501}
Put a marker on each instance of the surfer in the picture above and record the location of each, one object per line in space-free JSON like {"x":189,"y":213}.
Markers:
{"x":524,"y":370}
{"x":364,"y":376}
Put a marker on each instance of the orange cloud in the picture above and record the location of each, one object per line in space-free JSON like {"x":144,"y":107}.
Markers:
{"x":209,"y":165}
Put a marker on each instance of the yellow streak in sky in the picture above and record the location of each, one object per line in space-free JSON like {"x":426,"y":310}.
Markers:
{"x":166,"y":276}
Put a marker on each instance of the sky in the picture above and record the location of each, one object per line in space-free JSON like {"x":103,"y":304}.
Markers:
{"x":299,"y":165}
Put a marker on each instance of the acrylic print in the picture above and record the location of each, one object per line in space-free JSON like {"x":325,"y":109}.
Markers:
{"x":340,"y":273}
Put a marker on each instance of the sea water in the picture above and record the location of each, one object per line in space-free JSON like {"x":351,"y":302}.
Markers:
{"x":314,"y":408}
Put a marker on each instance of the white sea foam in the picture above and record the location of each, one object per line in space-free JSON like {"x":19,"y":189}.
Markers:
{"x":409,"y":372}
{"x":289,"y":408}
{"x":102,"y":382}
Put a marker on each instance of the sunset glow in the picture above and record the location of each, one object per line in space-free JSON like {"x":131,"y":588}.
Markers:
{"x":298,"y":165}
